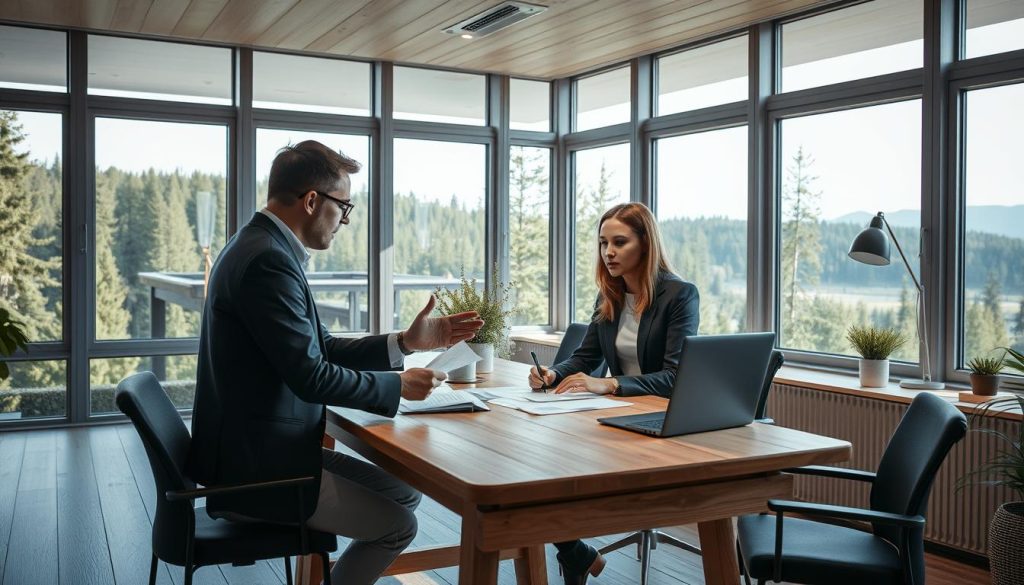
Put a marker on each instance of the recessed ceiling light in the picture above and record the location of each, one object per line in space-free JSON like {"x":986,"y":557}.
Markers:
{"x":467,"y":36}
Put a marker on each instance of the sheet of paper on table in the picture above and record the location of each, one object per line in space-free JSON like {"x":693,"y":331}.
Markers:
{"x":456,"y":356}
{"x":443,"y":399}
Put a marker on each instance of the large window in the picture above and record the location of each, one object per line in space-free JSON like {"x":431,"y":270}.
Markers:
{"x":36,"y":389}
{"x":601,"y":181}
{"x":33,"y":59}
{"x":706,"y":76}
{"x":158,"y":70}
{"x":440,"y":96}
{"x":439,"y":219}
{"x":702,"y":214}
{"x":157,"y":183}
{"x":836,"y":171}
{"x":529,"y":206}
{"x":309,"y":84}
{"x":993,"y":221}
{"x":529,"y":105}
{"x":873,"y":38}
{"x":176,"y":373}
{"x":993,"y":26}
{"x":602,"y":100}
{"x":337,"y":276}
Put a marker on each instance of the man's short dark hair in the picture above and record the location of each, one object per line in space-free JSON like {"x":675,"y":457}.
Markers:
{"x":307,"y":166}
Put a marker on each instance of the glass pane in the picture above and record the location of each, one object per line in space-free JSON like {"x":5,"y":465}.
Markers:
{"x":706,"y":76}
{"x":283,"y":82}
{"x":702,"y":213}
{"x":177,"y":374}
{"x":33,"y":59}
{"x":31,"y":209}
{"x":338,"y":275}
{"x":601,"y":181}
{"x":439,"y":219}
{"x":157,"y":70}
{"x":440,"y":96}
{"x":993,"y":26}
{"x":602,"y":100}
{"x":34,"y":390}
{"x":530,"y":105}
{"x":873,"y":38}
{"x":837,"y":170}
{"x":529,"y":203}
{"x":156,"y":183}
{"x":993,"y":295}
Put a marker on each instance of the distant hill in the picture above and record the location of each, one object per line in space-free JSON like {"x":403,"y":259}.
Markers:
{"x":1003,"y":220}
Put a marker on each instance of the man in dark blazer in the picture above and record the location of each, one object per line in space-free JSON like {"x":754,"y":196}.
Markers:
{"x":267,"y":367}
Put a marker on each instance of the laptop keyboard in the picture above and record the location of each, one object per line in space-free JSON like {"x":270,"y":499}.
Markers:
{"x":654,"y":425}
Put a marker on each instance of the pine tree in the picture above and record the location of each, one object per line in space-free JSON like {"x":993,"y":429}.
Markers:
{"x":528,"y":233}
{"x":590,"y":206}
{"x":801,"y":234}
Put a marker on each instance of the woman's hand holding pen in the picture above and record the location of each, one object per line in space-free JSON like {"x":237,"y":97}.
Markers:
{"x":584,"y":383}
{"x":535,"y":380}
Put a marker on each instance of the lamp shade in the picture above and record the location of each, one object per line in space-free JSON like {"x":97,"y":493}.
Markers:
{"x":871,"y":246}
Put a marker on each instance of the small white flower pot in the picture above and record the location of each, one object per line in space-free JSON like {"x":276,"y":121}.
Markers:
{"x":486,"y":353}
{"x":874,"y":373}
{"x":463,"y":374}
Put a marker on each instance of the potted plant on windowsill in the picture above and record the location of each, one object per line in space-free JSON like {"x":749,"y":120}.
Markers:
{"x":1006,"y":529}
{"x":874,"y":344}
{"x":985,"y":374}
{"x":491,"y":303}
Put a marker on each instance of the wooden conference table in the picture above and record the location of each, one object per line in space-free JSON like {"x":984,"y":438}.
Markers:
{"x":520,"y":481}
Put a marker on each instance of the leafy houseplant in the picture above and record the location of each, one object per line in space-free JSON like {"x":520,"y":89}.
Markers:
{"x":874,"y":344}
{"x":1006,"y":530}
{"x":492,"y":305}
{"x":12,"y":337}
{"x":985,"y":374}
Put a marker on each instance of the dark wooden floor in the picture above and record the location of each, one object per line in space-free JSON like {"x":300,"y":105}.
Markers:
{"x":76,"y":507}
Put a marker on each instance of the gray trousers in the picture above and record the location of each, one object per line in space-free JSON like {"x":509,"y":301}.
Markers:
{"x":363,"y":502}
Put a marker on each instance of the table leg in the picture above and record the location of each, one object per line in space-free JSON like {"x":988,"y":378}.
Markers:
{"x":476,"y":567}
{"x":718,"y":546}
{"x":531,"y":568}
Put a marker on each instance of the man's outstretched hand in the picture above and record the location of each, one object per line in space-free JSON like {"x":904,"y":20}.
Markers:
{"x":428,"y":332}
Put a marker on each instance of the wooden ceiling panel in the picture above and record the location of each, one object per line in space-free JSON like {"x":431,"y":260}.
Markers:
{"x":572,"y":36}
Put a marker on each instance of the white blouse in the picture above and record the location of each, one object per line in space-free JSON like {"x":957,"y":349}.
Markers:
{"x":625,"y":341}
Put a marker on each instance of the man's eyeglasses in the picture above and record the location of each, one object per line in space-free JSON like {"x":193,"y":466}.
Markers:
{"x":346,"y":206}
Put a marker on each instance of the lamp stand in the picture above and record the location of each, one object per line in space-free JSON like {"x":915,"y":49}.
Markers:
{"x":922,"y":333}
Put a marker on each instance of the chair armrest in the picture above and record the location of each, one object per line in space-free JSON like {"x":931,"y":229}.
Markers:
{"x":178,"y":495}
{"x":845,"y":513}
{"x":834,"y":472}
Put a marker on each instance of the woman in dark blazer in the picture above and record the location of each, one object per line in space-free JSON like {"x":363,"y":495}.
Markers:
{"x":642,"y":313}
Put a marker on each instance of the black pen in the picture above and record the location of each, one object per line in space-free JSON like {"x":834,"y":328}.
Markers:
{"x":540,"y":372}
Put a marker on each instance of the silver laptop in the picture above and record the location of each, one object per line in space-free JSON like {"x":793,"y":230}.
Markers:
{"x":717,"y":386}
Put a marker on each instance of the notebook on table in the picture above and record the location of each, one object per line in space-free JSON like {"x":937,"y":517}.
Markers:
{"x":443,"y":399}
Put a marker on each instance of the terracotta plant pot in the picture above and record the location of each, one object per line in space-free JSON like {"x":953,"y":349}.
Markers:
{"x":1006,"y":544}
{"x":985,"y":384}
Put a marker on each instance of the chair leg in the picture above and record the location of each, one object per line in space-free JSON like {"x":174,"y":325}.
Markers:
{"x":326,"y":559}
{"x":743,"y":566}
{"x":189,"y":569}
{"x":288,"y":570}
{"x":645,"y":555}
{"x":634,"y":538}
{"x":663,"y":538}
{"x":152,"y":570}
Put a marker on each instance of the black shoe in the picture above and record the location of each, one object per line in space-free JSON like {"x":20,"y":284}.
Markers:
{"x":576,"y":570}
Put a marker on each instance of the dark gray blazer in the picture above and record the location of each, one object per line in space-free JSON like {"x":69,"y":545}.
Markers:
{"x":267,"y":367}
{"x":674,"y":314}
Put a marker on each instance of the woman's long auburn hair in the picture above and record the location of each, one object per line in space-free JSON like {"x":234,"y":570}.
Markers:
{"x":613,"y":289}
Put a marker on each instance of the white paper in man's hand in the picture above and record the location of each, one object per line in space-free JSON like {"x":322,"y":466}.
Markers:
{"x":456,"y":356}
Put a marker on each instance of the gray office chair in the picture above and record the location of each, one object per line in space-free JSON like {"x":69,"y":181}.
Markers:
{"x":648,"y":540}
{"x":572,"y":339}
{"x":182,"y":537}
{"x":778,"y":547}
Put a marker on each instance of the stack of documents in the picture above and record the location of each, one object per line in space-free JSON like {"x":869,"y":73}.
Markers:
{"x":541,"y":403}
{"x":443,"y":399}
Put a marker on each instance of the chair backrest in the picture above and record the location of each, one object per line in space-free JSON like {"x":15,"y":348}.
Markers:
{"x":774,"y":363}
{"x":928,"y":430}
{"x":166,"y":440}
{"x":572,"y":339}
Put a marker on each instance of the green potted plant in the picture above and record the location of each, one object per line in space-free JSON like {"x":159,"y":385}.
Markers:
{"x":12,"y":337}
{"x":1006,"y":529}
{"x":874,"y":344}
{"x":985,"y":374}
{"x":492,"y":305}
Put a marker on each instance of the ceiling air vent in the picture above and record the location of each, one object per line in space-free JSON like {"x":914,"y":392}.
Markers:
{"x":494,"y":19}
